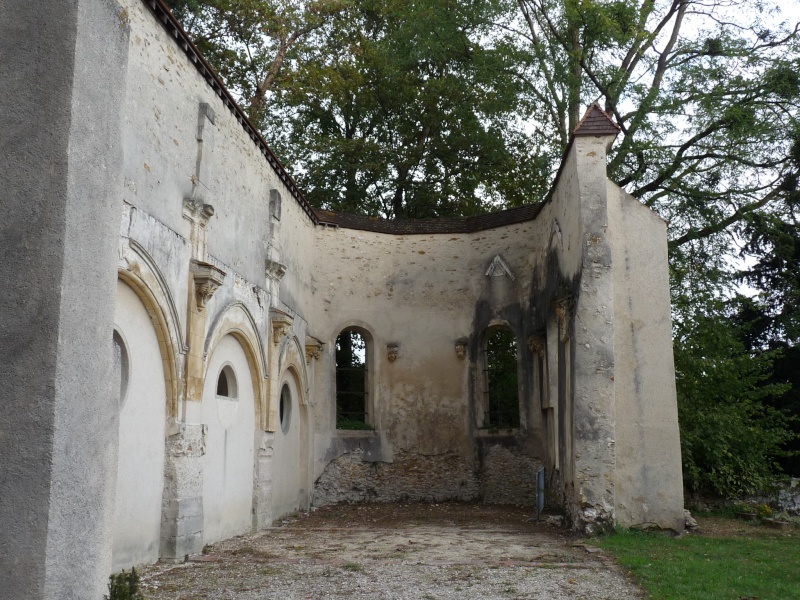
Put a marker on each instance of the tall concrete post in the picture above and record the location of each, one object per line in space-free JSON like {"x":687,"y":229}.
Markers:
{"x":63,"y":67}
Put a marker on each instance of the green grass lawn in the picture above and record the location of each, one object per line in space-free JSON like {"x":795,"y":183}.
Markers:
{"x":745,"y":563}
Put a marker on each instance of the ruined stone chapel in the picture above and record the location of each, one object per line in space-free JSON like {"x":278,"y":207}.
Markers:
{"x":189,"y":350}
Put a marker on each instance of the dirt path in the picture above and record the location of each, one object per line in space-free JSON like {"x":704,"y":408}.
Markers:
{"x":397,"y":551}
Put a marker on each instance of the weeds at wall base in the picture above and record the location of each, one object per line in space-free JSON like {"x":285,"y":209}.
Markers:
{"x":124,"y":586}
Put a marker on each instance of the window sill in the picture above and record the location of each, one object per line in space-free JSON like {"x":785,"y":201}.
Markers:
{"x":356,"y":433}
{"x":485,"y":432}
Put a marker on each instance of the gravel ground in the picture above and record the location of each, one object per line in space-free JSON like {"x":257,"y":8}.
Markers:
{"x":395,"y":551}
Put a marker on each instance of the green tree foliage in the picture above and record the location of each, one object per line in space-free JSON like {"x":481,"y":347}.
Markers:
{"x":384,"y":107}
{"x":730,"y":437}
{"x":501,"y":380}
{"x":706,"y":95}
{"x":248,"y":41}
{"x":408,"y":109}
{"x":773,"y":313}
{"x":351,"y":381}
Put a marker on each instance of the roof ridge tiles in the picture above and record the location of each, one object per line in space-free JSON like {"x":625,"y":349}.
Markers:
{"x":443,"y":225}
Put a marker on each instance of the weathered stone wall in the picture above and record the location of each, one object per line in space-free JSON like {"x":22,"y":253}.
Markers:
{"x":183,"y":144}
{"x":789,"y":497}
{"x":503,"y":476}
{"x":588,"y":462}
{"x":647,"y":475}
{"x":508,"y":477}
{"x":420,"y":293}
{"x":424,"y":293}
{"x":411,"y":477}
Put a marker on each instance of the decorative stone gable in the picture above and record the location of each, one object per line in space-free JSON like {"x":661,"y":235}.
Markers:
{"x":499,"y":268}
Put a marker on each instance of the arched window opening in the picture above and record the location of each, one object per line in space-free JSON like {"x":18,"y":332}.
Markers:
{"x":502,"y":391}
{"x":285,"y":408}
{"x":351,"y":381}
{"x":226,"y":383}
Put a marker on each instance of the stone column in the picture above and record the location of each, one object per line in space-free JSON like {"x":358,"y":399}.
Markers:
{"x":262,"y":495}
{"x":591,"y":501}
{"x":61,"y":194}
{"x":182,"y":514}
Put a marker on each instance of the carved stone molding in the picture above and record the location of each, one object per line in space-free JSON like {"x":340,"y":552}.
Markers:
{"x":197,"y":210}
{"x":461,"y":348}
{"x":563,"y":310}
{"x":281,"y":325}
{"x":499,"y":268}
{"x":198,"y":214}
{"x":392,"y":351}
{"x":536,"y":343}
{"x":207,"y":278}
{"x":275,"y":270}
{"x":313,"y":349}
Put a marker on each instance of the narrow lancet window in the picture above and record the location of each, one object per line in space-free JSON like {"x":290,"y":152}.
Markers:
{"x":351,"y":381}
{"x":502,"y":402}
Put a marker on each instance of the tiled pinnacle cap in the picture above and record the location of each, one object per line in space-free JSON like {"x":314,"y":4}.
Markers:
{"x":596,"y":122}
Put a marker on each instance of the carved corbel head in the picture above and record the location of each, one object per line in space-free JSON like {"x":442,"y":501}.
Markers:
{"x":281,"y":325}
{"x":207,"y":278}
{"x":313,"y":349}
{"x":461,"y":348}
{"x":392,"y":351}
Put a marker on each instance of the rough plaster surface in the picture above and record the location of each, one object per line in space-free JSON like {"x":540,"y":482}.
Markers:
{"x":649,"y":483}
{"x":589,"y":464}
{"x":37,"y":98}
{"x":140,"y":464}
{"x":228,"y":460}
{"x":61,"y":181}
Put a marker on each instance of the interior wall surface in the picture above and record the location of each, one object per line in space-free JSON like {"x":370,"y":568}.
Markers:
{"x":143,"y":408}
{"x":423,"y":293}
{"x":648,"y":479}
{"x":229,"y":455}
{"x":295,"y":248}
